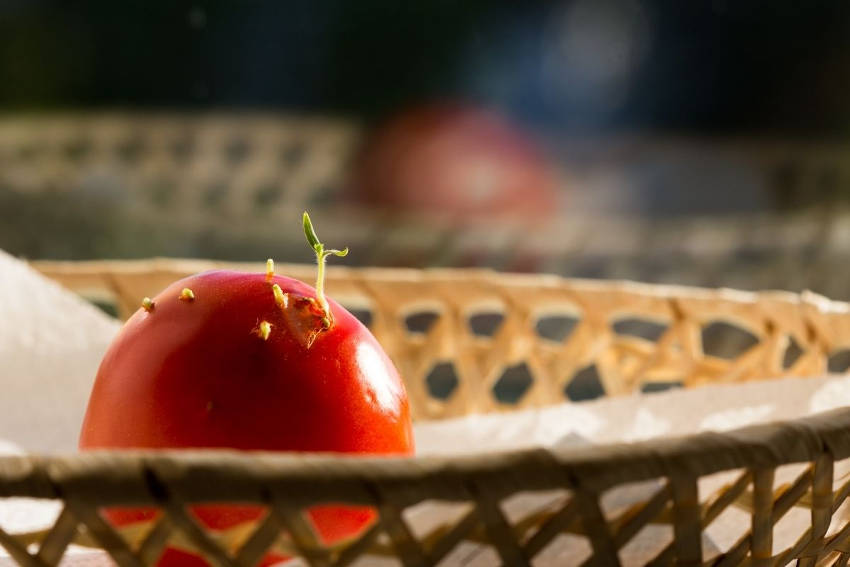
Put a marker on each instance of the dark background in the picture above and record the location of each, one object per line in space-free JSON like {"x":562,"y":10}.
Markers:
{"x":709,"y":67}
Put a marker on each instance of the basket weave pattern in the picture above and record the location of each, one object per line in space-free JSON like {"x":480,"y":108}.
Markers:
{"x":816,"y":327}
{"x":576,"y":481}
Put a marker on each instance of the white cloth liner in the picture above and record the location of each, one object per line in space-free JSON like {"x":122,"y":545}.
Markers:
{"x":51,"y":342}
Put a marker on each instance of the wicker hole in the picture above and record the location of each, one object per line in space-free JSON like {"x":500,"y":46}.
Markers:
{"x":585,"y":385}
{"x":161,"y":192}
{"x":181,"y":148}
{"x":576,"y":548}
{"x":717,"y":540}
{"x":839,"y":361}
{"x":619,"y":499}
{"x":293,"y":153}
{"x":524,"y":504}
{"x":267,"y":195}
{"x":362,"y":314}
{"x":840,"y":482}
{"x":556,"y":327}
{"x":640,"y":328}
{"x":429,"y":515}
{"x":723,"y":340}
{"x":322,"y":195}
{"x":122,"y":516}
{"x":214,"y":195}
{"x":212,"y":516}
{"x":649,"y":541}
{"x":130,"y":150}
{"x":237,"y":151}
{"x":19,"y":515}
{"x":513,"y":384}
{"x":722,"y":533}
{"x":442,"y":381}
{"x":792,"y":353}
{"x":841,"y":516}
{"x":620,"y":502}
{"x":420,"y":322}
{"x":77,"y":150}
{"x":107,"y":305}
{"x":799,"y":515}
{"x":655,"y":387}
{"x":486,"y":324}
{"x":790,"y":522}
{"x":29,"y":152}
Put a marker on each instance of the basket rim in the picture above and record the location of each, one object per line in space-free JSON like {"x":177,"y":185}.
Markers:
{"x":120,"y":476}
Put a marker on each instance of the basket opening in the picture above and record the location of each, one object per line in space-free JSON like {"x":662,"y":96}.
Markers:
{"x":520,"y":508}
{"x":108,"y":306}
{"x":131,"y":149}
{"x":556,"y":328}
{"x":727,"y":522}
{"x":660,"y":386}
{"x":432,"y":516}
{"x":431,"y":521}
{"x":585,"y":384}
{"x":363,"y":315}
{"x":215,"y":195}
{"x":725,"y":340}
{"x":78,"y":149}
{"x":513,"y":384}
{"x":237,"y":150}
{"x":267,"y":195}
{"x":640,"y":328}
{"x":182,"y":147}
{"x":219,"y":517}
{"x":486,"y":323}
{"x":565,"y":549}
{"x":420,"y":322}
{"x":623,"y":498}
{"x":21,"y":515}
{"x":793,"y":352}
{"x":839,"y":361}
{"x":840,"y":519}
{"x":293,"y":152}
{"x":442,"y":381}
{"x":527,"y":511}
{"x":648,"y":543}
{"x":161,"y":193}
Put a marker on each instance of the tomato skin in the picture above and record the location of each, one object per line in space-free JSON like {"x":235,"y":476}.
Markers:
{"x":197,"y":374}
{"x":452,"y":158}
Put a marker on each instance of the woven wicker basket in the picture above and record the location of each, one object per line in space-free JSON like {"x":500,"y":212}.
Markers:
{"x":288,"y":484}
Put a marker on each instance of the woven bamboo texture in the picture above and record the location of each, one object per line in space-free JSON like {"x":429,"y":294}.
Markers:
{"x":767,"y":473}
{"x":542,"y":333}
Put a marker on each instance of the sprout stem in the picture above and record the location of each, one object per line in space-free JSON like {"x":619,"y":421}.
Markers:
{"x":321,"y":258}
{"x":282,"y":299}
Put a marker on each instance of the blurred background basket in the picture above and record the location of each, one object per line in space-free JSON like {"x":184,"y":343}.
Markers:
{"x":737,"y":211}
{"x":534,"y":347}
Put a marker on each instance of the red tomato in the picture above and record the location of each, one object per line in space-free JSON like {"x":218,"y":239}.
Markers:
{"x":201,"y":372}
{"x":455,"y":159}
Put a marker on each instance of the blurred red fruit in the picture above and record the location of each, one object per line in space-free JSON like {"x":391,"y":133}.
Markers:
{"x":456,"y":160}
